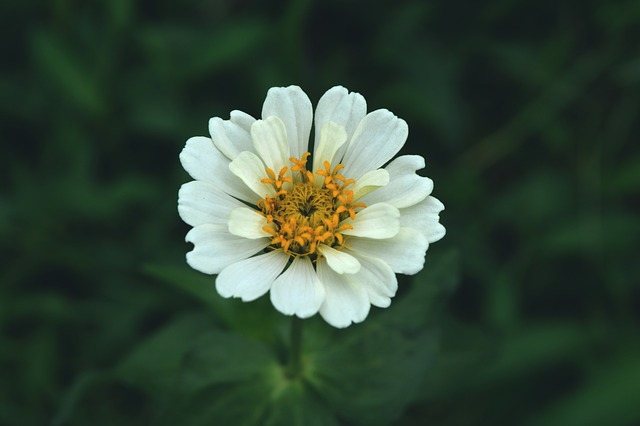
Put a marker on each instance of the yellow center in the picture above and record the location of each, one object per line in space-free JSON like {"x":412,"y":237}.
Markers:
{"x":307,"y":210}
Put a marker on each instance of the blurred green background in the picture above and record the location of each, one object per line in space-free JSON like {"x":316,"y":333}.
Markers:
{"x":527,"y":114}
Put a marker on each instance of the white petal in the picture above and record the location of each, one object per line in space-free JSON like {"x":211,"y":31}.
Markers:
{"x":425,"y":218}
{"x":270,"y":141}
{"x":405,"y":187}
{"x":251,"y":278}
{"x":379,"y":137}
{"x":343,"y":108}
{"x":371,"y":180}
{"x":298,"y":290}
{"x":346,"y":300}
{"x":216,"y":248}
{"x":377,"y":221}
{"x":232,"y":136}
{"x":332,"y":137}
{"x":293,"y":107}
{"x":339,"y":261}
{"x":203,"y":161}
{"x":199,"y":159}
{"x":201,"y":202}
{"x":250,"y":168}
{"x":404,"y":252}
{"x":247,"y":223}
{"x":381,"y":283}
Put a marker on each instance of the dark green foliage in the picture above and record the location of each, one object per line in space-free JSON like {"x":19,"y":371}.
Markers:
{"x":526,"y":112}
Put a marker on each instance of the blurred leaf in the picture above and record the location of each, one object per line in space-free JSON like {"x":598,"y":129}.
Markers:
{"x":430,"y":289}
{"x":221,"y":357}
{"x":535,"y":201}
{"x":105,"y":201}
{"x":526,"y":64}
{"x":120,"y":12}
{"x":557,"y":96}
{"x":611,"y":398}
{"x":582,"y":234}
{"x":368,"y":373}
{"x":258,"y":319}
{"x":528,"y":351}
{"x":480,"y":361}
{"x":193,"y":283}
{"x":32,"y":100}
{"x":223,"y":380}
{"x":297,"y":405}
{"x":228,"y":44}
{"x":188,"y":52}
{"x":618,"y":16}
{"x":626,"y":178}
{"x":158,"y":113}
{"x":242,"y":404}
{"x":69,"y":76}
{"x":502,"y":300}
{"x":80,"y":388}
{"x":371,"y":375}
{"x":153,"y":364}
{"x":229,"y":379}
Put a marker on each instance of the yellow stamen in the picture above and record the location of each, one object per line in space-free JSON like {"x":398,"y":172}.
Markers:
{"x":301,"y":215}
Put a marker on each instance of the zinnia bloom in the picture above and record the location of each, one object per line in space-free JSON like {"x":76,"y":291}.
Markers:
{"x":321,"y":233}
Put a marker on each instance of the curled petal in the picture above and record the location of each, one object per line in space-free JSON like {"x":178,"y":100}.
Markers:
{"x":298,"y":290}
{"x":332,"y":137}
{"x":339,"y":261}
{"x":346,"y":299}
{"x":370,"y":181}
{"x":251,"y":278}
{"x":247,"y":223}
{"x":424,"y":217}
{"x":215,"y":248}
{"x":293,"y":106}
{"x":377,"y":221}
{"x":250,"y":169}
{"x":203,"y":161}
{"x":343,"y":108}
{"x":381,"y":283}
{"x":232,"y":136}
{"x":202,"y":202}
{"x":404,"y":252}
{"x":270,"y":141}
{"x":379,"y":137}
{"x":405,"y":187}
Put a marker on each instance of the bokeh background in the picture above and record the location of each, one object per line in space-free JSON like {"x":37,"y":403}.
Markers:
{"x":526,"y":112}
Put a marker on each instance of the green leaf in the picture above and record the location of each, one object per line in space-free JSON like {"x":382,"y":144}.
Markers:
{"x":258,"y":318}
{"x":626,"y":177}
{"x":69,"y":76}
{"x":195,"y":284}
{"x":298,"y":405}
{"x":479,"y":362}
{"x":370,"y":372}
{"x":154,"y":364}
{"x":611,"y":398}
{"x":369,"y":376}
{"x":430,"y":289}
{"x":73,"y":395}
{"x":225,"y":46}
{"x":531,"y":350}
{"x":242,"y":404}
{"x":231,"y":379}
{"x":221,"y":357}
{"x":190,"y":52}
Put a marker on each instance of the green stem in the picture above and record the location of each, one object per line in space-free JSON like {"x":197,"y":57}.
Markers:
{"x":295,"y":361}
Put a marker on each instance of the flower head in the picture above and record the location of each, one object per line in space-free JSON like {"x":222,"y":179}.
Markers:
{"x":323,"y":232}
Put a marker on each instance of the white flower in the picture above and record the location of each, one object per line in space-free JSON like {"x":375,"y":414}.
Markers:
{"x":326,"y":237}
